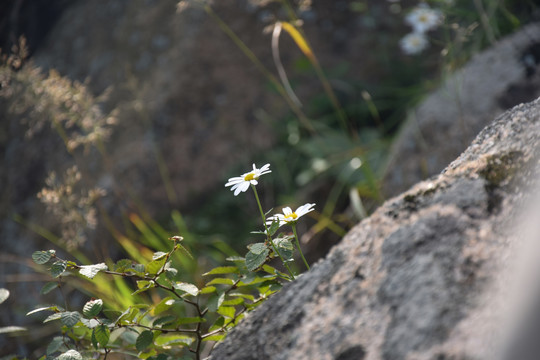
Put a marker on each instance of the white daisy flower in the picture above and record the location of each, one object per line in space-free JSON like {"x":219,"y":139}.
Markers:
{"x":290,"y":216}
{"x":422,"y":18}
{"x":413,"y":43}
{"x":241,"y":183}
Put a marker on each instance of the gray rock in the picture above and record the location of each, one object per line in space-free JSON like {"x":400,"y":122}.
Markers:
{"x":421,"y":277}
{"x":442,"y":126}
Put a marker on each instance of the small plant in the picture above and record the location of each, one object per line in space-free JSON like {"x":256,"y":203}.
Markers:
{"x":175,"y":319}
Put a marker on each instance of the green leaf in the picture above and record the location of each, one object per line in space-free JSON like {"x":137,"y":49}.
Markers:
{"x":222,"y":270}
{"x":144,"y":340}
{"x":4,"y":294}
{"x":70,"y":318}
{"x":215,"y":301}
{"x":154,"y":266}
{"x":55,"y":345}
{"x":90,"y":323}
{"x":244,"y":296}
{"x":70,"y":355}
{"x":189,"y":320}
{"x":227,"y":311}
{"x":41,"y":257}
{"x":207,"y":290}
{"x":143,"y":285}
{"x":122,"y":265}
{"x":102,"y":335}
{"x":164,"y":320}
{"x":171,"y":340}
{"x":52,"y":317}
{"x":11,"y":329}
{"x":48,"y":287}
{"x":159,"y":255}
{"x":235,"y":301}
{"x":257,"y":248}
{"x":254,"y":260}
{"x":235,"y":259}
{"x":58,"y":268}
{"x":186,"y":287}
{"x":217,"y":337}
{"x":51,"y":308}
{"x":163,"y":305}
{"x":273,"y":228}
{"x":221,"y":281}
{"x":285,"y":248}
{"x":91,"y":270}
{"x":92,"y":308}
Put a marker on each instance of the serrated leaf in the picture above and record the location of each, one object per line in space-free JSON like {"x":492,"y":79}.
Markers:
{"x":187,"y":288}
{"x":207,"y":290}
{"x":226,"y":311}
{"x":42,"y":257}
{"x":70,"y":355}
{"x":70,"y":318}
{"x":221,"y":281}
{"x":215,"y":301}
{"x":273,"y":228}
{"x":222,"y":270}
{"x":58,"y":268}
{"x":254,"y":261}
{"x":144,"y":340}
{"x":245,"y":296}
{"x":48,"y":287}
{"x":4,"y":294}
{"x":257,"y":248}
{"x":11,"y":329}
{"x":92,"y":270}
{"x":92,"y":308}
{"x":102,"y":335}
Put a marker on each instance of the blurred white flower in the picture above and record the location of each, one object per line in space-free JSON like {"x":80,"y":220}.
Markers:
{"x":413,"y":43}
{"x":241,"y":183}
{"x":422,"y":18}
{"x":290,"y":216}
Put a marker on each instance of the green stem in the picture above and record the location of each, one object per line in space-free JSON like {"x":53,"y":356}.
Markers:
{"x":298,"y":245}
{"x":267,"y":233}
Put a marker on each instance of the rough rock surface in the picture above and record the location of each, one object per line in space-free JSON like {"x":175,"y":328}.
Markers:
{"x":417,"y":279}
{"x":442,"y":126}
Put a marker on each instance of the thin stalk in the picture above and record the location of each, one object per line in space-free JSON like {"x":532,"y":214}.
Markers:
{"x":298,"y":245}
{"x":267,"y":233}
{"x":258,"y":64}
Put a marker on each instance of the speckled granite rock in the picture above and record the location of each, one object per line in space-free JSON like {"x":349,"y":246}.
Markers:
{"x":416,"y":280}
{"x":442,"y":126}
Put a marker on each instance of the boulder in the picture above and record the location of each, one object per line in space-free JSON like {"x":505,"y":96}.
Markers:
{"x":424,"y":277}
{"x":442,"y":126}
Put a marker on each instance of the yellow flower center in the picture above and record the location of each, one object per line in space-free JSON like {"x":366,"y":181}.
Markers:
{"x":423,"y":18}
{"x":249,"y":177}
{"x":292,"y":216}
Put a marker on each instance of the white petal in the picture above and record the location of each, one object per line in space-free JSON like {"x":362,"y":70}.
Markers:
{"x":287,"y":211}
